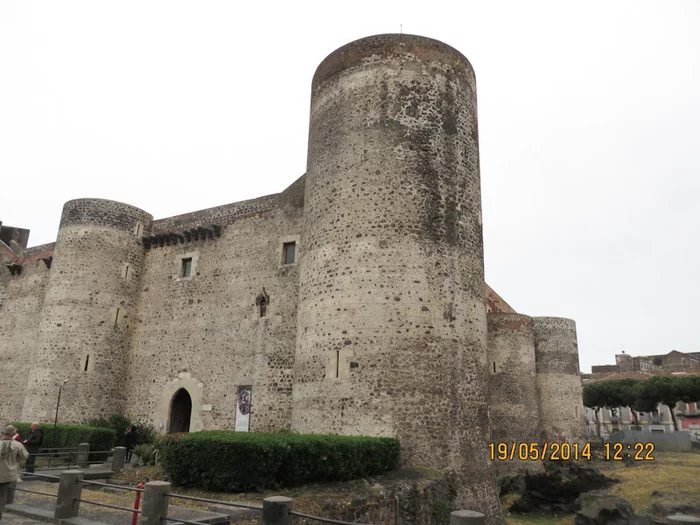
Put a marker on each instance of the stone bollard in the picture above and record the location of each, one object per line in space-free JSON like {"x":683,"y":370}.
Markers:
{"x":155,"y":503}
{"x":467,"y":517}
{"x":83,"y":455}
{"x":276,"y":511}
{"x":118,"y":459}
{"x":70,"y":486}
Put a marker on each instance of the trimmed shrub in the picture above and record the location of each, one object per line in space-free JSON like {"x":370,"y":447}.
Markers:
{"x":70,"y":436}
{"x":241,"y":461}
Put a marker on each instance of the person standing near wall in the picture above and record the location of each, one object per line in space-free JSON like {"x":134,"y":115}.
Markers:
{"x":12,"y":453}
{"x":131,"y":439}
{"x":33,"y":442}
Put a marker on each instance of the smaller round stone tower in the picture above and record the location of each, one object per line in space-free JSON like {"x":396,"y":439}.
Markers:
{"x":87,"y":313}
{"x":513,"y":394}
{"x":558,"y":379}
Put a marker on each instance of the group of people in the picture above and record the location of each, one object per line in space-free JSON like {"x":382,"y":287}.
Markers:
{"x":14,"y":452}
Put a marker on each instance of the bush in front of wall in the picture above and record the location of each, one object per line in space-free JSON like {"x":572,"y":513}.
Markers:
{"x":70,"y":436}
{"x":240,"y":461}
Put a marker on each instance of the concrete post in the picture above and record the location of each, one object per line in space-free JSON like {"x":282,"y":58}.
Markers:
{"x":70,"y":486}
{"x":155,"y":503}
{"x":467,"y":517}
{"x":118,"y":459}
{"x":276,"y":511}
{"x":83,"y":455}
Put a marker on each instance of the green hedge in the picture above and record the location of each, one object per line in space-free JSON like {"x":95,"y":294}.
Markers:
{"x":70,"y":436}
{"x":240,"y":461}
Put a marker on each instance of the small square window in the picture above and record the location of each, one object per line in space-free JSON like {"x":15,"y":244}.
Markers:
{"x":186,"y":267}
{"x":289,"y":255}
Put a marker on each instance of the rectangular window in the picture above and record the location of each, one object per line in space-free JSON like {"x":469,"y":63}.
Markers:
{"x":290,"y":249}
{"x":186,"y":267}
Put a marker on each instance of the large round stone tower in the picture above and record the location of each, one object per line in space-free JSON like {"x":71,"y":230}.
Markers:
{"x":391,"y":318}
{"x":87,"y":312}
{"x":513,"y":394}
{"x":558,"y":379}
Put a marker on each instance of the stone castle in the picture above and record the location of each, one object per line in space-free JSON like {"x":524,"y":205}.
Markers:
{"x":353,"y":302}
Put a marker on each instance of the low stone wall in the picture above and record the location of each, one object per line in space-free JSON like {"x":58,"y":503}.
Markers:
{"x":664,"y":441}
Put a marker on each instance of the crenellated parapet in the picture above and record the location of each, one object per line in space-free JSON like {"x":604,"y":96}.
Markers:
{"x":173,"y":238}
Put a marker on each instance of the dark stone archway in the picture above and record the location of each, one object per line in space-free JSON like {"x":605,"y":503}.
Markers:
{"x":180,"y":412}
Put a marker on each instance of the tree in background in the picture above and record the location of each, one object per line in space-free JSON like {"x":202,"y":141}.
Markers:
{"x":627,"y":398}
{"x":641,"y":396}
{"x":659,"y":389}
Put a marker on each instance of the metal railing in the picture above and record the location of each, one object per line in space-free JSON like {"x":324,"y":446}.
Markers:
{"x":62,"y":458}
{"x":67,"y":458}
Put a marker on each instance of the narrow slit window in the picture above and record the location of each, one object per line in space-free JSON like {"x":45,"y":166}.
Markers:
{"x":263,"y":308}
{"x":126,"y":272}
{"x":139,"y":229}
{"x":186,"y":267}
{"x":87,"y":361}
{"x":494,"y":367}
{"x":289,"y":252}
{"x":116,"y":318}
{"x":337,"y":363}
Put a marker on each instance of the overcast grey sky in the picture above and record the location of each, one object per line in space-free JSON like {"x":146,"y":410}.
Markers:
{"x":589,"y":122}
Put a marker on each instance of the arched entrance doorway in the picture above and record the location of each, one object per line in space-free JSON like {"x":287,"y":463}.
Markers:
{"x":180,"y":412}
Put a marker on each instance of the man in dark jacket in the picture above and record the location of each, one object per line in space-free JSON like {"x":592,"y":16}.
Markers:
{"x":131,"y":439}
{"x":32,"y":443}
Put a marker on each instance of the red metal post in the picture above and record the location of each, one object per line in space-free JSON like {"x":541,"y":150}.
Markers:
{"x":137,"y":502}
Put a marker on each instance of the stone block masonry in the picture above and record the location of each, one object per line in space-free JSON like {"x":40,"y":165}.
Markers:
{"x":353,"y":302}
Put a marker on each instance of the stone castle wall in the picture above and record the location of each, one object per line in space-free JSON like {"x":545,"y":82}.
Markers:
{"x":205,"y":333}
{"x":21,"y":299}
